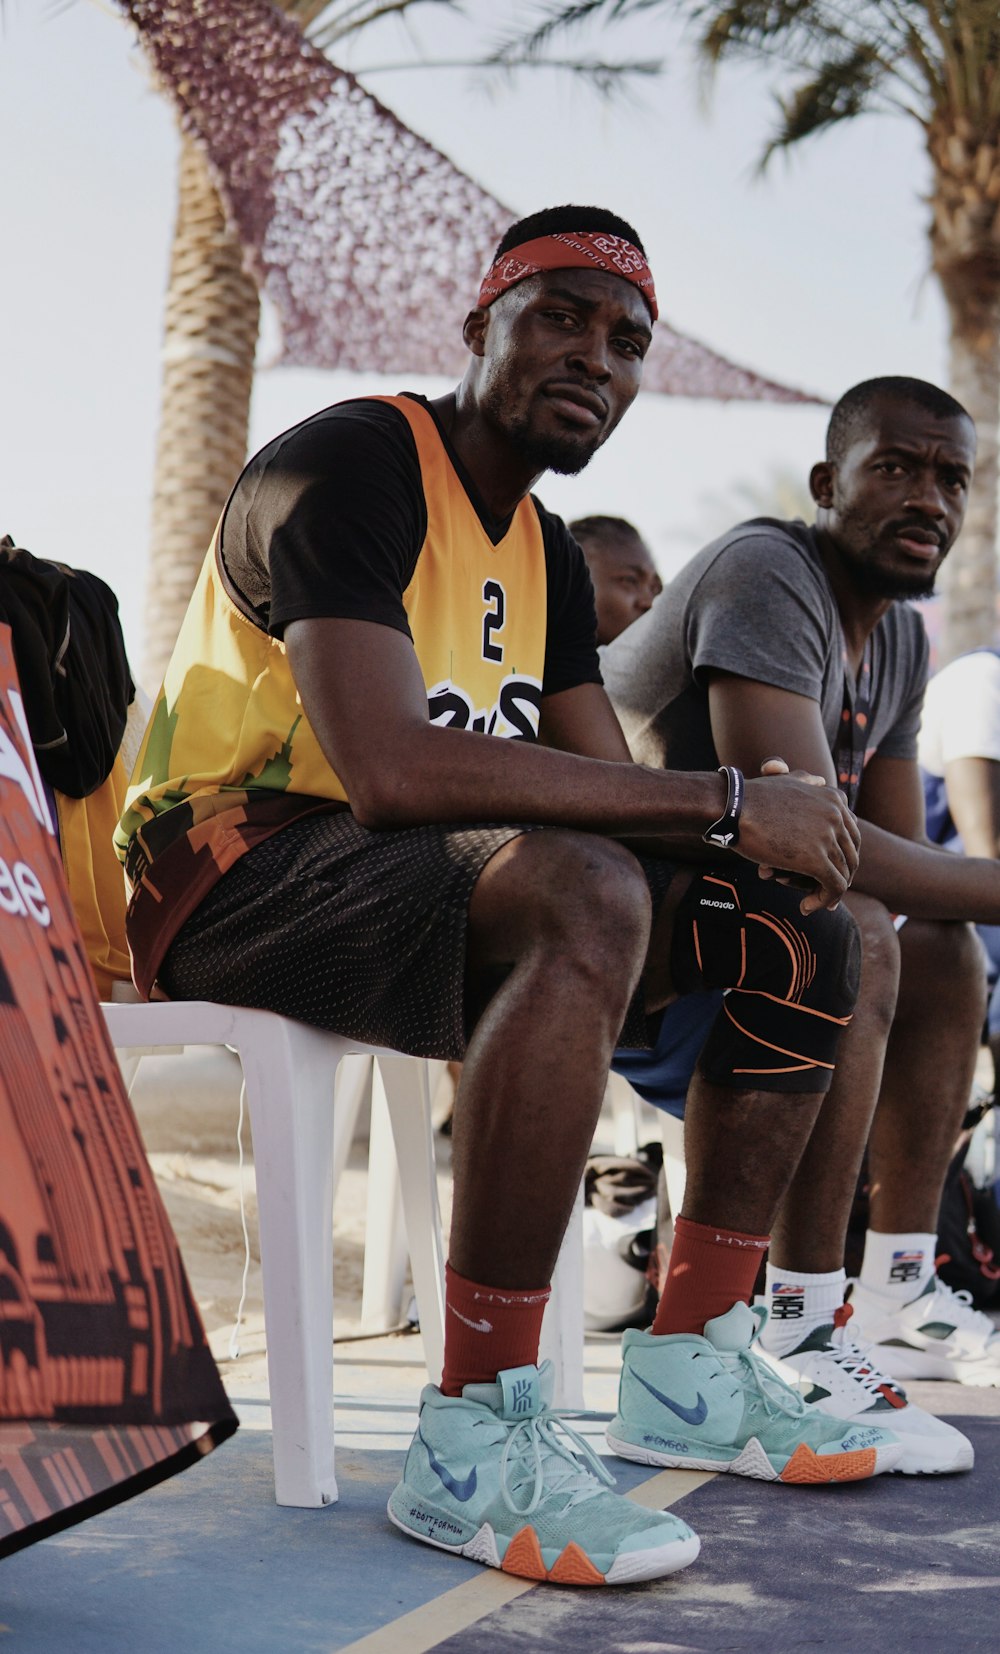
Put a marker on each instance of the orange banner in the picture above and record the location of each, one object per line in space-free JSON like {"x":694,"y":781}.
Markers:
{"x":106,"y":1382}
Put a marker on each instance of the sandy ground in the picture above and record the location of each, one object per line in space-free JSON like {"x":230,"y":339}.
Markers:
{"x":188,"y":1111}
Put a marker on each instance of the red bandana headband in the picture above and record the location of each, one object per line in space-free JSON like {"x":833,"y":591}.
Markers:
{"x":570,"y":252}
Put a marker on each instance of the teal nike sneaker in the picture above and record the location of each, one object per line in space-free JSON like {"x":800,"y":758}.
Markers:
{"x":712,"y":1403}
{"x":495,"y":1475}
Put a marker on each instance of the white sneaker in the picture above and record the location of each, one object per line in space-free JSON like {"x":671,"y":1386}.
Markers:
{"x":836,"y":1375}
{"x":938,"y":1335}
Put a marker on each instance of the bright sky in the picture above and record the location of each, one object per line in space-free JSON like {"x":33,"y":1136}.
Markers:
{"x":814,"y":276}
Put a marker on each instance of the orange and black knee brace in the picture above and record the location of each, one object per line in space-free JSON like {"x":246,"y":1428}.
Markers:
{"x":791,"y":979}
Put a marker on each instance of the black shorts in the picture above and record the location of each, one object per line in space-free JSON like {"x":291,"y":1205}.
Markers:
{"x":357,"y":931}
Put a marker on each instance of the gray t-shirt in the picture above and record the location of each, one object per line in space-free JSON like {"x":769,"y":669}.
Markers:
{"x":757,"y":603}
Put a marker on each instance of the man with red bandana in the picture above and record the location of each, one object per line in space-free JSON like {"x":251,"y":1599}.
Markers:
{"x":383,"y":791}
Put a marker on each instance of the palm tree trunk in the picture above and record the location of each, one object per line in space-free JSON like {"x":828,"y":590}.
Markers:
{"x":210,"y":338}
{"x":970,"y":578}
{"x":965,"y":238}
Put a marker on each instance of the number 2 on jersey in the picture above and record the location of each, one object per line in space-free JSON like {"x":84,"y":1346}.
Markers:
{"x":495,"y":599}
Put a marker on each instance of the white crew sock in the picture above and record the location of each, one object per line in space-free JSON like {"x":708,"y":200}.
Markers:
{"x":798,"y":1303}
{"x":897,"y":1267}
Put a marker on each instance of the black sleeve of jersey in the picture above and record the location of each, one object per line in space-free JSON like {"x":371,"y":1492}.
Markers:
{"x":328,"y":521}
{"x":571,"y":617}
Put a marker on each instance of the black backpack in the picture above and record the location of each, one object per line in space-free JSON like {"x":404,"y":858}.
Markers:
{"x":969,"y":1236}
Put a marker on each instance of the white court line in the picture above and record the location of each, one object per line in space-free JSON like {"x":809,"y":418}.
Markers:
{"x":425,"y":1627}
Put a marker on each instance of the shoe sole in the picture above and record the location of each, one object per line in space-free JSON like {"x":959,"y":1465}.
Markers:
{"x":523,"y":1557}
{"x":804,"y":1469}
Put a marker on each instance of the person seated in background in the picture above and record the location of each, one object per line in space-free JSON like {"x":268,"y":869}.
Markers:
{"x":626,"y":582}
{"x":382,"y":791}
{"x":959,"y":752}
{"x":77,"y":691}
{"x":795,"y":639}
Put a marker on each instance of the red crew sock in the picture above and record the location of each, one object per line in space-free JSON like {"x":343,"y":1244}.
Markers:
{"x":709,"y":1270}
{"x":486,"y":1330}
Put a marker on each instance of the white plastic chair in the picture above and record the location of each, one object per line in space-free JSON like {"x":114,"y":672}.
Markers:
{"x":634,"y":1122}
{"x":301,"y":1138}
{"x":302,"y":1121}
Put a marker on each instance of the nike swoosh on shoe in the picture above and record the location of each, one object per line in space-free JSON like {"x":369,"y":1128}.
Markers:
{"x":690,"y":1415}
{"x":462,"y":1491}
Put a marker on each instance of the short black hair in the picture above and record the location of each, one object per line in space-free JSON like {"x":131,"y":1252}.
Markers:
{"x":603,"y":528}
{"x":564,"y":220}
{"x":848,"y":418}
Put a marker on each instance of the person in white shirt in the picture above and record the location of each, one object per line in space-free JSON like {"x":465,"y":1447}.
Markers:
{"x":959,"y":754}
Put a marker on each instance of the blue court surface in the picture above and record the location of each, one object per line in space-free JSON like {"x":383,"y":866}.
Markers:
{"x":207,"y":1562}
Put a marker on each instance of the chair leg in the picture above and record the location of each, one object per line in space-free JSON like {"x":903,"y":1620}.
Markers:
{"x":290,"y":1072}
{"x":354,"y":1083}
{"x":624,"y":1114}
{"x":674,"y":1169}
{"x":385,"y":1234}
{"x":562,"y":1327}
{"x":128,"y":1062}
{"x":408,"y":1100}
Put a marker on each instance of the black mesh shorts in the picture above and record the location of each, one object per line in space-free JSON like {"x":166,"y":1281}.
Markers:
{"x":357,"y":931}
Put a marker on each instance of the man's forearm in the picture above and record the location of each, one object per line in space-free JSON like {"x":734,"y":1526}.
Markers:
{"x":926,"y":882}
{"x":456,"y":775}
{"x":446,"y":775}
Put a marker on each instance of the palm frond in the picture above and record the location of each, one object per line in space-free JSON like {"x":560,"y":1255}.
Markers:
{"x":330,"y":24}
{"x":609,"y":80}
{"x":842,"y":88}
{"x":555,"y":19}
{"x":850,"y":56}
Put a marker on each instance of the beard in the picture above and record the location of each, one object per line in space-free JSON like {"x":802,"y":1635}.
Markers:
{"x":872,"y":576}
{"x":567,"y":455}
{"x":892,"y":586}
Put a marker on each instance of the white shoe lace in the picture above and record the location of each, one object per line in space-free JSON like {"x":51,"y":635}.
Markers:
{"x":855,"y":1359}
{"x":532,"y":1446}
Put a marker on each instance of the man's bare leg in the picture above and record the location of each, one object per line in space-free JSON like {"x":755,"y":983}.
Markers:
{"x":558,"y":930}
{"x":805,"y":1277}
{"x":689,"y":1394}
{"x":929,"y":1068}
{"x":900,"y":1311}
{"x":810,"y":1229}
{"x":557,"y":935}
{"x":735,"y":1177}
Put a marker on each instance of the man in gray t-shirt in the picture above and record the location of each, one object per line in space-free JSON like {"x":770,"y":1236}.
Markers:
{"x":786,"y":640}
{"x":757,"y":603}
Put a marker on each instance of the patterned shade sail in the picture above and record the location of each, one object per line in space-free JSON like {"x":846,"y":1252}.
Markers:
{"x":368,"y":241}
